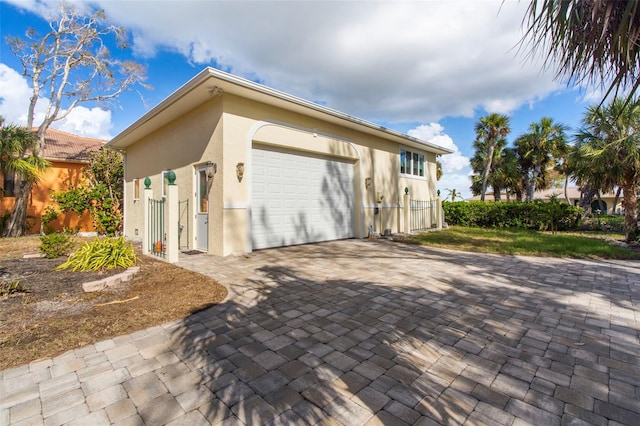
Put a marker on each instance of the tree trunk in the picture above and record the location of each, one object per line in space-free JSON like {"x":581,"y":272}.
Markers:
{"x":630,"y":212}
{"x":586,"y":198}
{"x":18,"y":220}
{"x":615,"y":200}
{"x":566,"y":189}
{"x":497,"y":196}
{"x":600,"y":204}
{"x":531,"y":182}
{"x":485,"y":173}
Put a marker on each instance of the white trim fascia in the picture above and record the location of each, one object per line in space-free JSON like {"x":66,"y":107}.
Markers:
{"x":231,"y":206}
{"x":383,"y":206}
{"x":322,"y":109}
{"x":210,"y":73}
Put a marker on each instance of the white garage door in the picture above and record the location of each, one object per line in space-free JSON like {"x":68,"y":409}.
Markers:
{"x":300,"y":199}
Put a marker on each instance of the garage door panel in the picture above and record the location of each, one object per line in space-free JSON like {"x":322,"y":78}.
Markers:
{"x":316,"y":205}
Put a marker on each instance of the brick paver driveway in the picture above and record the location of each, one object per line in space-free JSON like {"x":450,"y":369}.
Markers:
{"x":360,"y":332}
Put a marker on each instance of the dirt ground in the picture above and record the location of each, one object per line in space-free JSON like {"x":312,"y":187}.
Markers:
{"x":55,"y":315}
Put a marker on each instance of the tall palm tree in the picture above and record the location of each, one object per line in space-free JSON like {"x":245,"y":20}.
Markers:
{"x":507,"y":174}
{"x":491,"y":131}
{"x":610,"y":141}
{"x":587,"y":41}
{"x":17,"y":156}
{"x":540,"y":149}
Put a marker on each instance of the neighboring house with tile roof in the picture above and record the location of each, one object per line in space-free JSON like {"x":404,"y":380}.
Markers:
{"x":68,"y":154}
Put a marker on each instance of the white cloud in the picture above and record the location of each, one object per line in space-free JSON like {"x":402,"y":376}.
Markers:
{"x":461,"y":182}
{"x":434,"y":133}
{"x":386,"y":61}
{"x":15,"y":93}
{"x":90,"y":122}
{"x":14,"y":96}
{"x":455,"y":167}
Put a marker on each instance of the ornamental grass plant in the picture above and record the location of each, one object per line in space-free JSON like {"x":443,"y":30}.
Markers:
{"x":100,"y":254}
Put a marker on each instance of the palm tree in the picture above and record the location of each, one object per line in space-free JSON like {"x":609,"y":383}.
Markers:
{"x":587,"y":41}
{"x":453,"y":195}
{"x":540,"y":149}
{"x":507,"y":175}
{"x":610,"y":141}
{"x":17,"y":146}
{"x":491,"y":131}
{"x":439,"y":171}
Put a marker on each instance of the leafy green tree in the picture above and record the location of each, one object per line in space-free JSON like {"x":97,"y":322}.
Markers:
{"x":587,"y":41}
{"x":539,"y":150}
{"x":16,"y":155}
{"x":491,"y":131}
{"x":68,"y":66}
{"x":100,"y":192}
{"x":608,"y":154}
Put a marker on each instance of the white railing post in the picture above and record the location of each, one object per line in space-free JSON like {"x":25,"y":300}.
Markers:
{"x":173,"y":220}
{"x":407,"y":212}
{"x":146,"y":196}
{"x":440,"y":213}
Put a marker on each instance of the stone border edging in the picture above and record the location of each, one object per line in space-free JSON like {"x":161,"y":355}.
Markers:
{"x":111,"y":281}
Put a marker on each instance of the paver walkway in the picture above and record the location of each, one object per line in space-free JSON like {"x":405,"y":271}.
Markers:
{"x":362,"y":332}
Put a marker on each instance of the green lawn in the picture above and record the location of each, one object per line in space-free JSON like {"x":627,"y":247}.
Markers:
{"x":526,"y":242}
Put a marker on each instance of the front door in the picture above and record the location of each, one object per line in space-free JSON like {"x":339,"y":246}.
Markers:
{"x":202,"y":210}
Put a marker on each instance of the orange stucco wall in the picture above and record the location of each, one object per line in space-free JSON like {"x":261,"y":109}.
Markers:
{"x":61,"y":175}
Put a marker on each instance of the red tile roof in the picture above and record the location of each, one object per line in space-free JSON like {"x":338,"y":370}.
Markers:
{"x":61,"y":145}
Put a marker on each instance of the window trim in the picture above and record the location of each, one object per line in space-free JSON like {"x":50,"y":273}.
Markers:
{"x":165,"y":182}
{"x":414,"y":169}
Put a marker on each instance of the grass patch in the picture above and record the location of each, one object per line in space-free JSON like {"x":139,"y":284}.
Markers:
{"x":517,"y":241}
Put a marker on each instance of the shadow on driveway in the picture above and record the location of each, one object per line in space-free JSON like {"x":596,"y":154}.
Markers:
{"x":358,"y":332}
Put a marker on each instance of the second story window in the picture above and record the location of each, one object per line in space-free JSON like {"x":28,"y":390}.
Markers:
{"x":412,"y":163}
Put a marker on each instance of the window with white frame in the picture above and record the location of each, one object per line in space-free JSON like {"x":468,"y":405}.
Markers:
{"x":412,"y":163}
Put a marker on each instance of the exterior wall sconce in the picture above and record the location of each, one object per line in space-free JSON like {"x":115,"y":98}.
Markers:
{"x":212,"y":169}
{"x":240,"y":171}
{"x":367,"y":183}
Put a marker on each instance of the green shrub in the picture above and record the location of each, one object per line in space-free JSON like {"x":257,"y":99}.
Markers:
{"x":542,"y":215}
{"x":50,"y":214}
{"x":56,"y":245}
{"x":102,"y":253}
{"x":12,"y":287}
{"x":606,"y":223}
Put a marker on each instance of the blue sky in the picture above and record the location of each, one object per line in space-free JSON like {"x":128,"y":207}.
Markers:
{"x":426,"y":68}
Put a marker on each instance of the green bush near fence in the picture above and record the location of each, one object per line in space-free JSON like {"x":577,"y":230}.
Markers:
{"x":552,"y":215}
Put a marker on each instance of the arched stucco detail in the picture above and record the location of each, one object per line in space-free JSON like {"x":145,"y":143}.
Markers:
{"x":253,"y":131}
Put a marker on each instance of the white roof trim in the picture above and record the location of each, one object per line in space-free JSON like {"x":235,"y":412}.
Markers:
{"x":230,"y":83}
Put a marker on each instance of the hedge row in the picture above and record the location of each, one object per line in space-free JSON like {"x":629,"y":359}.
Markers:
{"x":550,"y":215}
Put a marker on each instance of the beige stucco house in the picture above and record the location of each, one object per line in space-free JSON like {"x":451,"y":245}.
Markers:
{"x":260,"y":168}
